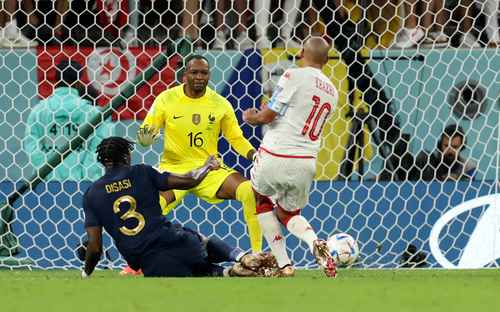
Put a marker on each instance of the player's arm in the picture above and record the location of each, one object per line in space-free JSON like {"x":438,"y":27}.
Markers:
{"x":168,"y":181}
{"x":194,"y":177}
{"x":155,"y":119}
{"x":94,"y":249}
{"x":277,"y":105}
{"x":257,"y":117}
{"x":94,"y":237}
{"x":233,"y":134}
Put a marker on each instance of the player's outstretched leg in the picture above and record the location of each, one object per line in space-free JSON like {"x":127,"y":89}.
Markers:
{"x":300,"y":227}
{"x":262,"y":264}
{"x":209,"y":270}
{"x":247,"y":264}
{"x":324,"y":257}
{"x":239,"y":270}
{"x":256,"y":261}
{"x":271,"y":228}
{"x":219,"y":251}
{"x":245,"y":195}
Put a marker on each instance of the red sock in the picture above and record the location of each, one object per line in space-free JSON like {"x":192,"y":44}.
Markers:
{"x":284,"y":215}
{"x":265,"y":205}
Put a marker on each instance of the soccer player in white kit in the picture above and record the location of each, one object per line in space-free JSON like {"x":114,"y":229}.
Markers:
{"x":285,"y":164}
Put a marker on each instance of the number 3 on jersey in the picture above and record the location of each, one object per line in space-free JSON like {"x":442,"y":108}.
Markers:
{"x":129,"y":214}
{"x":314,"y":117}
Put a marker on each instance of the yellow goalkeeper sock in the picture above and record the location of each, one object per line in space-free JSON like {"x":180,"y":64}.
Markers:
{"x":245,"y":195}
{"x":165,"y":208}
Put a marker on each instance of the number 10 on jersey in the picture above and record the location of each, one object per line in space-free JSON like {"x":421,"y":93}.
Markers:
{"x":318,"y":111}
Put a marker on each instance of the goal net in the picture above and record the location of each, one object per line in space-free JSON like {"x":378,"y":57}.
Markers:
{"x":409,"y":164}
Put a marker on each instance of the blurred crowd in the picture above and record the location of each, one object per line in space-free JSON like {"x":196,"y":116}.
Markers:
{"x":242,"y":24}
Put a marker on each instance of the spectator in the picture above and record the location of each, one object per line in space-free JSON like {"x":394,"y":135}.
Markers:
{"x":57,"y":119}
{"x":376,"y":20}
{"x":150,"y":22}
{"x":428,"y":14}
{"x":262,"y":21}
{"x":243,"y":41}
{"x":165,"y":21}
{"x":467,"y":39}
{"x":10,"y":34}
{"x":55,"y":9}
{"x":190,"y":19}
{"x":446,"y":163}
{"x":490,"y":9}
{"x":112,"y":17}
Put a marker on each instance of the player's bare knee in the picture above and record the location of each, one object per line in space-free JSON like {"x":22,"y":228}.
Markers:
{"x":229,"y":189}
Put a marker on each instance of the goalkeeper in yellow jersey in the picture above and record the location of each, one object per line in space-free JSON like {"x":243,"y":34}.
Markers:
{"x":192,"y":116}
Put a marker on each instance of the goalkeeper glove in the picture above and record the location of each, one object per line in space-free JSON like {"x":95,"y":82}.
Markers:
{"x":147,"y":136}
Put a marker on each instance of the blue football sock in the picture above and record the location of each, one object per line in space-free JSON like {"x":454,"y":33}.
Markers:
{"x":218,"y":251}
{"x":209,"y":270}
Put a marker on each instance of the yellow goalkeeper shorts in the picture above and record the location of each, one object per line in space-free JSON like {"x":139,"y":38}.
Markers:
{"x":206,"y":190}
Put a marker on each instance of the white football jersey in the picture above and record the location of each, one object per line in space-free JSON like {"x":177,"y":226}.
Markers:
{"x":304,"y":100}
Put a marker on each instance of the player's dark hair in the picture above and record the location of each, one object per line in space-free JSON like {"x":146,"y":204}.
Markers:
{"x":114,"y":151}
{"x":194,"y":57}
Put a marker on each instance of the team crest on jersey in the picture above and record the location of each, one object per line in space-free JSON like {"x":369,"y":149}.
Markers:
{"x":211,"y":119}
{"x":196,"y":119}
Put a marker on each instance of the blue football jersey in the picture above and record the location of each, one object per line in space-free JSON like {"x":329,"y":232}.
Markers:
{"x":125,"y":201}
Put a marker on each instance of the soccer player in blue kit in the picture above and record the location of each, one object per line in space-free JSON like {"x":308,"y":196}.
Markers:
{"x":125,"y":202}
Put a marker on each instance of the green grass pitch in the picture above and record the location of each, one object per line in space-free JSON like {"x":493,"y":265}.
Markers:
{"x":353,"y":290}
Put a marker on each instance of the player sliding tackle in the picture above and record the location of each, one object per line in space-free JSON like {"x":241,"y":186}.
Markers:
{"x":125,"y":201}
{"x":285,"y":165}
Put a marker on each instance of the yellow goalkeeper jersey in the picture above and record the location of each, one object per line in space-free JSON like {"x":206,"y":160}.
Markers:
{"x":191,"y":128}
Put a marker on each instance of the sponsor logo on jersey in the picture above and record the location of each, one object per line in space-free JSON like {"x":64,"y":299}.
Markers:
{"x":196,"y":119}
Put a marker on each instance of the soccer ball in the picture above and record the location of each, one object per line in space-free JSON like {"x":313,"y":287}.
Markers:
{"x":344,"y":249}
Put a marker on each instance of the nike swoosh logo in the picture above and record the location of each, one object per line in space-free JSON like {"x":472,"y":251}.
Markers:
{"x":177,"y":117}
